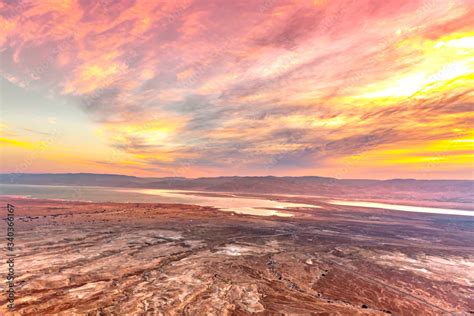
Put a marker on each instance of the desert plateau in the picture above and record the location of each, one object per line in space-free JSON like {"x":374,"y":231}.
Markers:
{"x":234,"y":158}
{"x":83,"y":258}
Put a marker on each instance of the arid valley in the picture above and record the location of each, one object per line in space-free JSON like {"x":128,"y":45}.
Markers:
{"x":266,"y":157}
{"x":84,"y":258}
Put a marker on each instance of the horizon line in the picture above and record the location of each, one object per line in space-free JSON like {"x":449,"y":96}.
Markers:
{"x":223,"y":176}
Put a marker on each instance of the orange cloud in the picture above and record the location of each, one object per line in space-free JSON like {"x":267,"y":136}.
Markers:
{"x":275,"y":87}
{"x":18,"y":143}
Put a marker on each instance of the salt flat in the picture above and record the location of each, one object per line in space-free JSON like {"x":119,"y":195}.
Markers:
{"x":78,"y":258}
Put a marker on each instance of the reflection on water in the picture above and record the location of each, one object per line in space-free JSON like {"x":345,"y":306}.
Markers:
{"x":404,"y":208}
{"x":233,"y":203}
{"x":257,"y":206}
{"x":242,"y":205}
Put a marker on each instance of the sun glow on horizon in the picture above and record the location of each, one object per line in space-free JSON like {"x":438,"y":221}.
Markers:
{"x":197,"y":88}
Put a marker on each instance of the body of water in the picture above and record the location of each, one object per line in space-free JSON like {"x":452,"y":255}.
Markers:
{"x":234,"y":203}
{"x":253,"y":206}
{"x":404,"y":208}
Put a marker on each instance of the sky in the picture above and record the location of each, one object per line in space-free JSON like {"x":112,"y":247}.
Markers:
{"x":348,"y":89}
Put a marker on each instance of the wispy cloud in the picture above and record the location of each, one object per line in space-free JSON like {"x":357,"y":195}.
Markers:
{"x":240,"y":87}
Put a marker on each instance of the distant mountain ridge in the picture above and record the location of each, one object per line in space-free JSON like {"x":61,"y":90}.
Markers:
{"x":460,"y":191}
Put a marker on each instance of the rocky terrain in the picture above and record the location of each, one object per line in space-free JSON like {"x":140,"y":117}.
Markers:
{"x":75,"y":258}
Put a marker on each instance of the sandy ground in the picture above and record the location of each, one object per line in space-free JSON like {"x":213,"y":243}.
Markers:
{"x":76,"y":258}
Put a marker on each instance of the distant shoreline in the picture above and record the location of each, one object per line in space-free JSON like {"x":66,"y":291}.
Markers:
{"x":239,"y":202}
